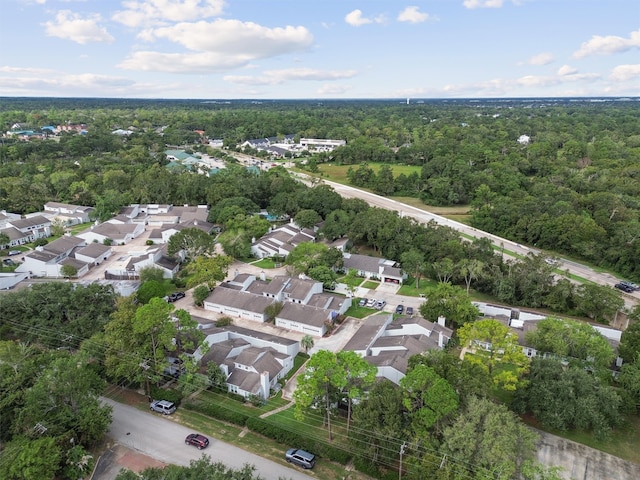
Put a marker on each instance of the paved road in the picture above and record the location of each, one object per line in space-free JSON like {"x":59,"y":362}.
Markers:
{"x":508,"y":245}
{"x":163,"y":439}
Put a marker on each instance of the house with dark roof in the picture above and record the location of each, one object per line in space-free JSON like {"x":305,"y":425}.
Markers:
{"x":253,"y":362}
{"x":67,"y":213}
{"x":117,"y":233}
{"x":388,"y":343}
{"x":30,"y":229}
{"x":305,"y":307}
{"x":374,"y":267}
{"x":153,"y":257}
{"x":280,"y":241}
{"x":48,"y":260}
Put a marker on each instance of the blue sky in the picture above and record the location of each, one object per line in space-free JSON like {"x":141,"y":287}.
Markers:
{"x":288,"y":49}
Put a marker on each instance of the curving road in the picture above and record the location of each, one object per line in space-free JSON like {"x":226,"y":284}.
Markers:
{"x":163,"y":439}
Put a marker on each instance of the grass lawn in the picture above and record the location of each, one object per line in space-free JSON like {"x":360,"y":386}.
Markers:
{"x":266,"y":263}
{"x":370,"y":284}
{"x":359,"y":312}
{"x":338,"y":173}
{"x":409,"y":289}
{"x":352,"y":282}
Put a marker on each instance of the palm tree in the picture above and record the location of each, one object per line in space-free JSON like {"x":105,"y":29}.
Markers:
{"x":307,"y":343}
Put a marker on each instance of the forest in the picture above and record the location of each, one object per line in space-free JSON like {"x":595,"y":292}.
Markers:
{"x":572,"y":189}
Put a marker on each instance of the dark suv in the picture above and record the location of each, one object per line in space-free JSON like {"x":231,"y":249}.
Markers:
{"x":625,"y":287}
{"x":301,"y":458}
{"x":175,"y":296}
{"x":197,"y":440}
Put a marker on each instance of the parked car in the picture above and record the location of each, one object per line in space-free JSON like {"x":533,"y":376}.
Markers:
{"x":371,"y":302}
{"x":175,"y":368}
{"x":631,"y":285}
{"x":362,"y":302}
{"x":409,"y":310}
{"x":300,"y":457}
{"x":624,"y":287}
{"x":163,"y":406}
{"x":14,"y":252}
{"x":8,"y":262}
{"x":175,"y":296}
{"x":380,"y":304}
{"x":197,"y":440}
{"x":400,"y":309}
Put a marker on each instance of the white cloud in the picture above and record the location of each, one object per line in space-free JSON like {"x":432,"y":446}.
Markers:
{"x":355,"y":19}
{"x":72,"y":26}
{"x":622,"y":73}
{"x":333,"y":89}
{"x":218,"y":46}
{"x":471,"y":4}
{"x":23,"y":70}
{"x":276,"y":77}
{"x":608,"y":45}
{"x":158,"y":12}
{"x":412,"y":15}
{"x":541,"y":59}
{"x":567,"y":70}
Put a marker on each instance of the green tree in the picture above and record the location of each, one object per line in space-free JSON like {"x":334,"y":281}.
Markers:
{"x":4,"y":240}
{"x":235,"y":243}
{"x":497,"y":345}
{"x":197,"y":469}
{"x":307,"y":218}
{"x":151,"y":273}
{"x":379,"y":421}
{"x":413,"y":263}
{"x":324,"y":274}
{"x":323,"y":376}
{"x":207,"y":270}
{"x":65,"y":399}
{"x":151,"y":289}
{"x":200,"y":294}
{"x":271,"y":311}
{"x":490,"y":439}
{"x":360,"y":375}
{"x":470,"y":270}
{"x":568,"y":398}
{"x":307,"y":343}
{"x":598,"y":302}
{"x":451,"y":302}
{"x":68,"y":271}
{"x":468,"y":379}
{"x":25,"y":458}
{"x":193,"y":241}
{"x":428,"y":398}
{"x":629,"y":379}
{"x":630,"y":340}
{"x":570,"y":338}
{"x":307,"y":255}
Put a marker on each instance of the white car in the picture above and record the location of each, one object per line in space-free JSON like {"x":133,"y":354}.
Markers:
{"x":371,"y":302}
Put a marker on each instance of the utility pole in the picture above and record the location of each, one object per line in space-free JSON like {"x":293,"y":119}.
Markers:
{"x":402,"y":447}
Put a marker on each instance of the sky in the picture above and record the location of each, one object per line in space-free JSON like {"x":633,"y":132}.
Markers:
{"x":319,"y":49}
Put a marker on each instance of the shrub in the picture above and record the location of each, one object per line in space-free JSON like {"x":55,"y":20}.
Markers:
{"x":149,"y":242}
{"x":217,"y":411}
{"x":224,"y":321}
{"x":168,"y":394}
{"x":40,"y":242}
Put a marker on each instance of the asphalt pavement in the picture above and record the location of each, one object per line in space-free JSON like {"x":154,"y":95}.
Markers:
{"x":162,"y":439}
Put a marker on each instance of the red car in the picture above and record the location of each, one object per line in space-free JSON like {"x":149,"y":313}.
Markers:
{"x":197,"y":440}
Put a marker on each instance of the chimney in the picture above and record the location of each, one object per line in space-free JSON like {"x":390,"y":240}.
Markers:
{"x":263,"y":277}
{"x":440,"y":340}
{"x":265,"y":389}
{"x":441,"y":321}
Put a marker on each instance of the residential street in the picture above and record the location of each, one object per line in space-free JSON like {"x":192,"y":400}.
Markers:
{"x":162,"y":439}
